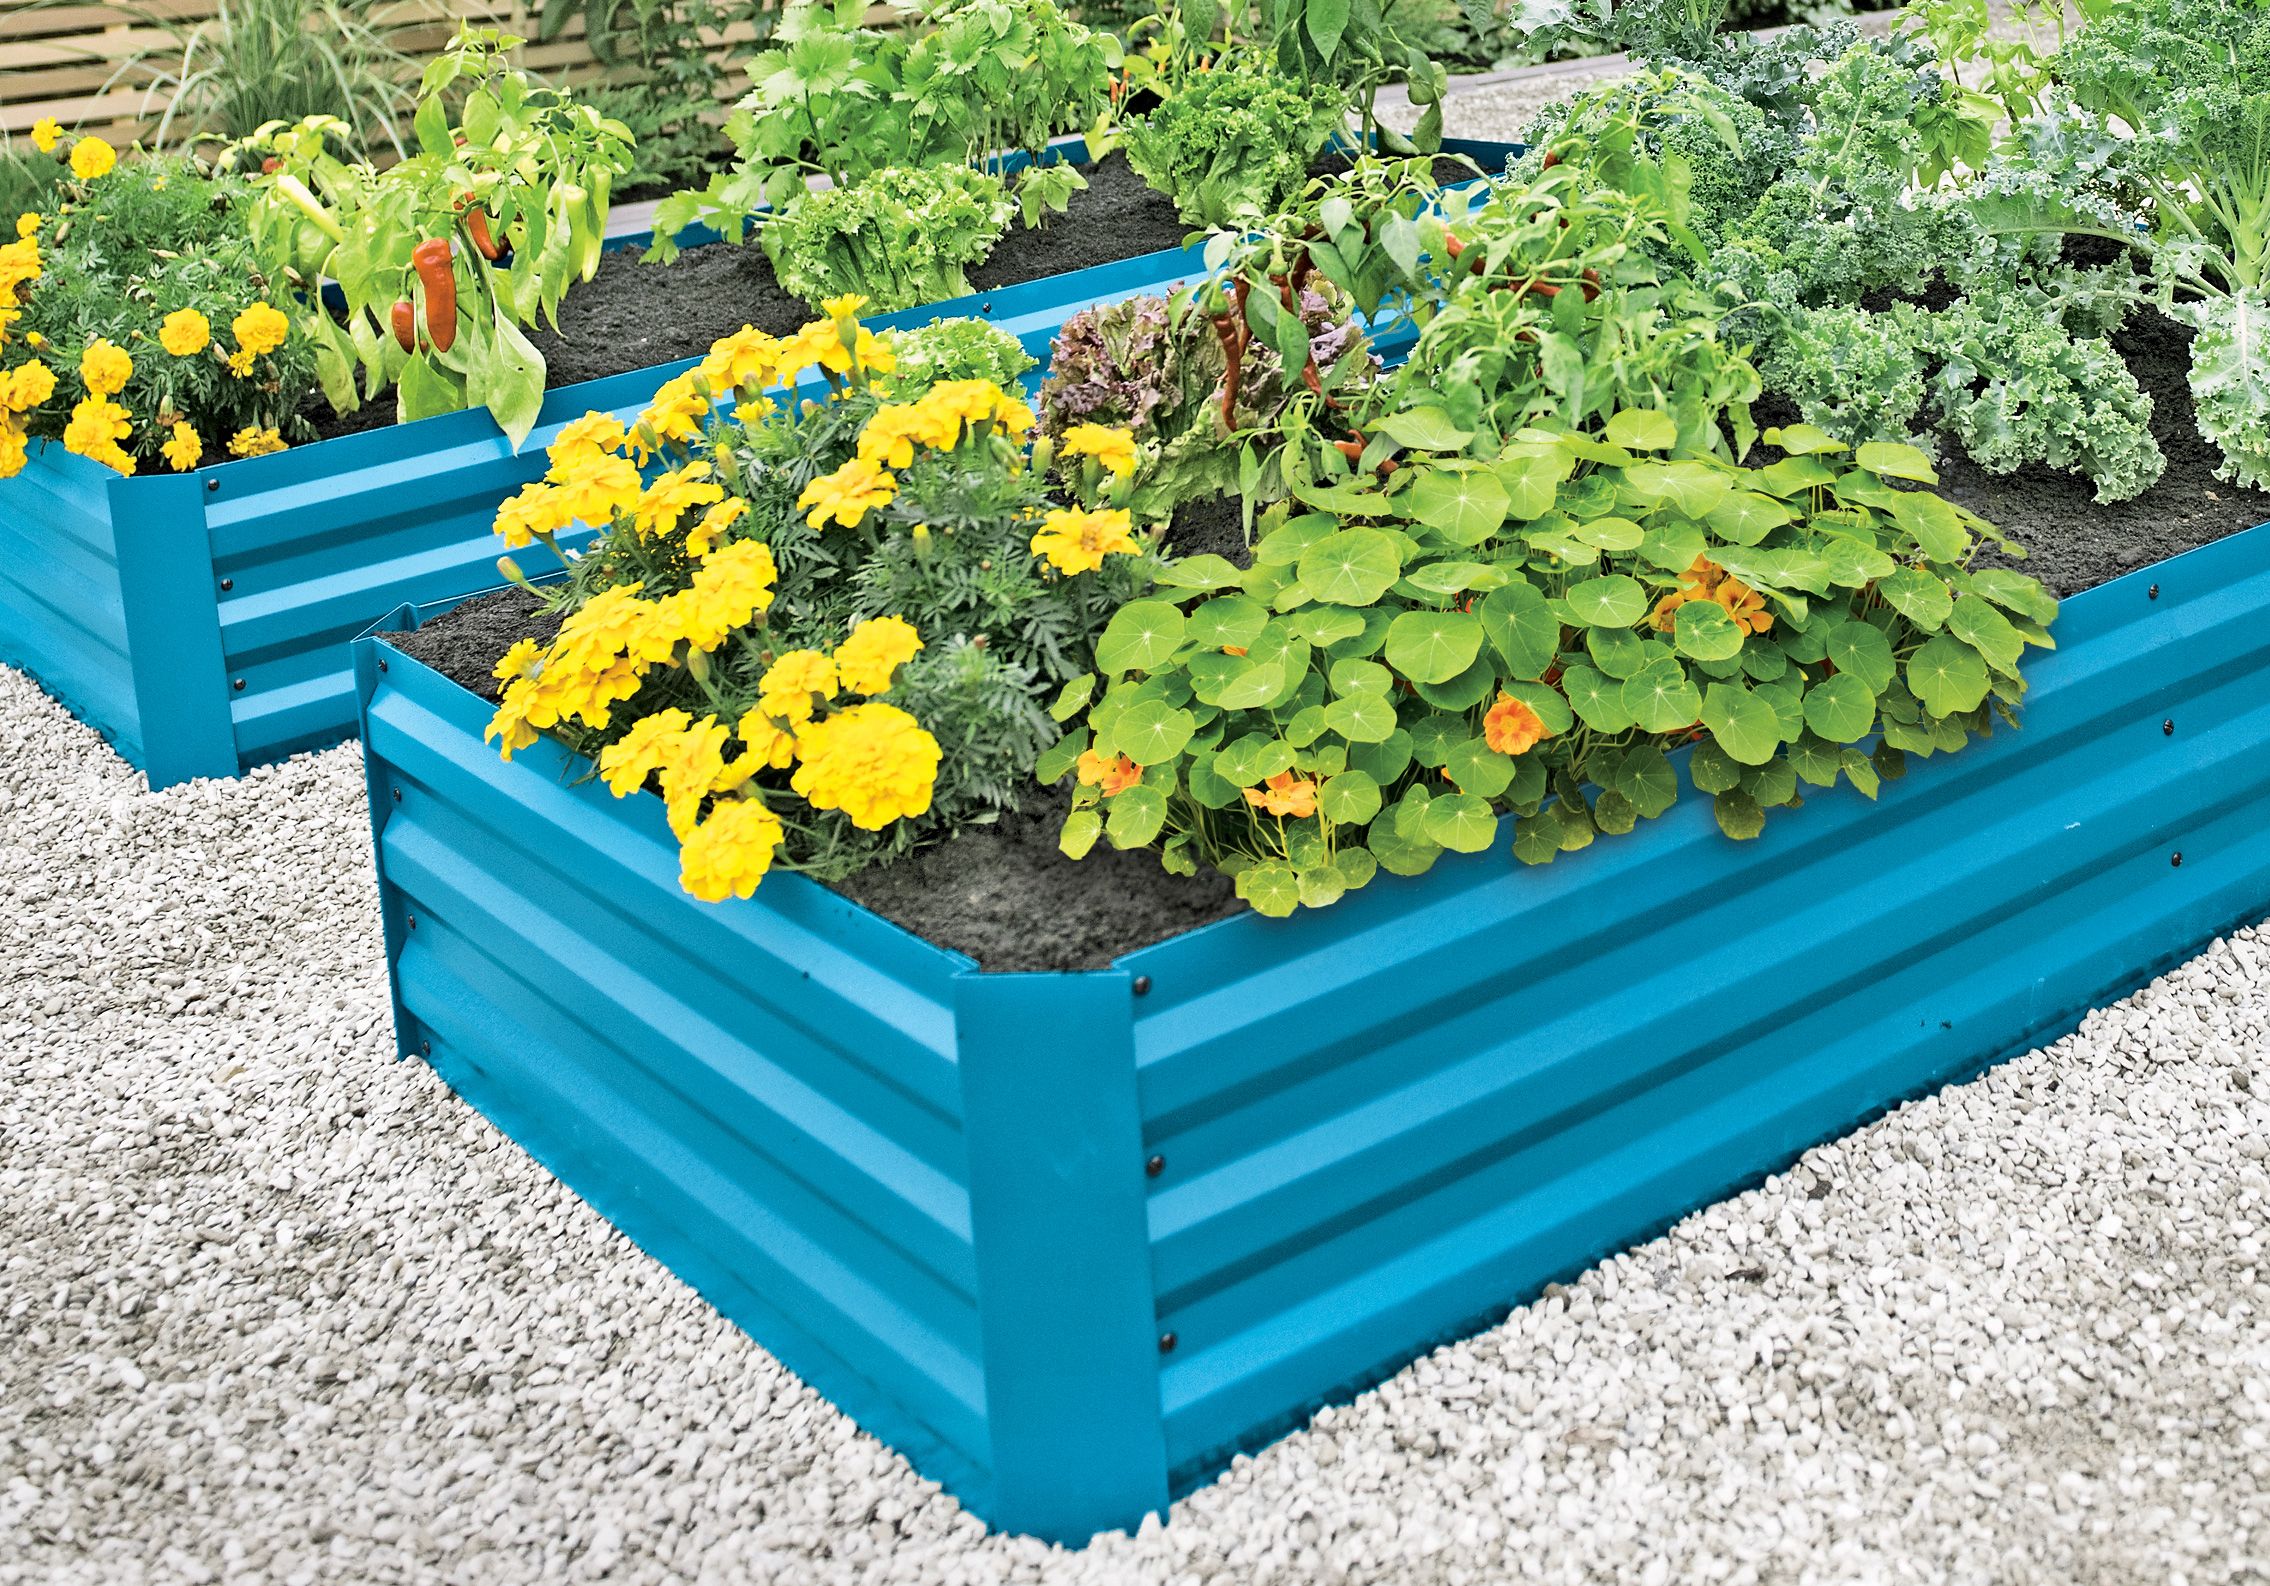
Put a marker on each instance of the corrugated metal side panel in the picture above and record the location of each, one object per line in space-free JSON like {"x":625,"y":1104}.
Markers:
{"x":765,"y":1097}
{"x":1388,"y":1122}
{"x":62,"y":619}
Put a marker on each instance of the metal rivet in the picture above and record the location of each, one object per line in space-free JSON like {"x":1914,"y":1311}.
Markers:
{"x":2153,"y":593}
{"x":212,"y":484}
{"x":985,"y":308}
{"x":2176,"y":860}
{"x":2168,"y":727}
{"x":1142,"y":985}
{"x":1166,"y":1343}
{"x":227,"y":584}
{"x":397,"y":795}
{"x":425,"y":1049}
{"x":411,"y":920}
{"x":382,"y":663}
{"x":237,"y":684}
{"x":1155,"y":1166}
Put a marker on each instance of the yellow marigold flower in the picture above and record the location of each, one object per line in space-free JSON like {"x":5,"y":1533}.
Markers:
{"x":728,"y":591}
{"x":1115,"y":775}
{"x":19,"y":265}
{"x":822,"y":342}
{"x":874,"y":352}
{"x":770,"y":744}
{"x":890,"y":437}
{"x":577,"y":440}
{"x":1075,"y":540}
{"x":240,"y":363}
{"x":702,"y":538}
{"x":1113,"y":448}
{"x":626,"y":763}
{"x":13,"y":453}
{"x":253,"y":441}
{"x":672,"y":496}
{"x":876,"y":649}
{"x":596,"y":488}
{"x":105,"y":368}
{"x":535,"y":511}
{"x":785,"y":692}
{"x":47,"y":132}
{"x":847,"y":306}
{"x":848,"y":494}
{"x":519,"y":661}
{"x":675,"y":414}
{"x":91,"y":157}
{"x":510,"y":728}
{"x":28,"y":224}
{"x":747,"y":358}
{"x":261,"y":329}
{"x":183,"y":449}
{"x":185,"y":333}
{"x":727,"y":855}
{"x":97,"y":426}
{"x":1512,"y":727}
{"x":26,"y":387}
{"x":873,"y":761}
{"x":683,"y":755}
{"x":1285,"y":794}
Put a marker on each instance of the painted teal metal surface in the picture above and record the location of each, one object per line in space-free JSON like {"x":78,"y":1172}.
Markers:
{"x":202,"y":621}
{"x":1376,"y":1127}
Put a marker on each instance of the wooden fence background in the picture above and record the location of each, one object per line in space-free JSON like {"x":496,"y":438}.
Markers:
{"x":63,"y":60}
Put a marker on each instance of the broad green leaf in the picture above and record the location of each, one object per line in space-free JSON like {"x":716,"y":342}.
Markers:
{"x":1608,"y":534}
{"x":1151,"y":731}
{"x":1399,"y":854}
{"x":1536,"y":841}
{"x":1361,"y":677}
{"x":1479,"y":769}
{"x":1948,"y":676}
{"x":1803,"y":440}
{"x":1361,"y":718}
{"x":1324,"y":624}
{"x":1351,"y":568}
{"x":1860,"y":770}
{"x":1433,"y":646}
{"x":1861,"y":649}
{"x":1896,"y":460}
{"x":1199,"y":572}
{"x":1852,"y":564}
{"x":1137,"y":813}
{"x":1612,"y":601}
{"x":1598,"y":700}
{"x":1385,"y":758}
{"x":1817,"y":762}
{"x":1738,"y":815}
{"x":1841,"y":709}
{"x":1461,"y":822}
{"x":1463,"y":692}
{"x":1226,"y":622}
{"x":1644,"y":776}
{"x":1532,"y":477}
{"x":1272,"y":888}
{"x":1673,"y":546}
{"x":1745,"y":726}
{"x":1058,"y":760}
{"x":1614,"y":814}
{"x":1307,"y":726}
{"x":1918,"y":596}
{"x":1351,"y":798}
{"x":1746,"y":517}
{"x":1081,"y":829}
{"x":1074,"y":697}
{"x":1711,"y":770}
{"x":1661,"y":697}
{"x":1321,"y":885}
{"x":1979,"y":625}
{"x":1253,"y":759}
{"x":2015,"y":592}
{"x":1455,"y":578}
{"x":1326,"y":21}
{"x":1935,"y":523}
{"x":1695,"y":488}
{"x":1546,"y":701}
{"x":1704,"y":630}
{"x":1258,"y":685}
{"x":1464,"y":505}
{"x":1522,"y":628}
{"x":1619,"y":652}
{"x":1643,"y":430}
{"x":1142,"y":635}
{"x":1425,"y":429}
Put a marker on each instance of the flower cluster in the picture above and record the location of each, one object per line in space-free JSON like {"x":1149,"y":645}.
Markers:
{"x":1707,"y":581}
{"x":937,"y":421}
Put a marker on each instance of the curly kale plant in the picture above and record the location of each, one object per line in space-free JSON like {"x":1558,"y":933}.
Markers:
{"x":1234,"y":142}
{"x":901,"y":237}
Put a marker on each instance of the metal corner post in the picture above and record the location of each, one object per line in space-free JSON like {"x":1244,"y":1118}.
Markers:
{"x":380,"y":793}
{"x":173,"y":628}
{"x":1057,"y":1213}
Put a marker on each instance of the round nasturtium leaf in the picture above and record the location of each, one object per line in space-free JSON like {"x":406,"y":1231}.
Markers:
{"x":1361,"y":718}
{"x":1253,"y":759}
{"x":1081,"y":829}
{"x":1258,"y":684}
{"x":1464,"y":505}
{"x":1643,"y":430}
{"x":1948,"y":676}
{"x":1272,"y":887}
{"x":1704,"y":630}
{"x":1745,"y":726}
{"x":1353,"y":567}
{"x":1840,"y":708}
{"x":1351,"y":798}
{"x":1151,"y":730}
{"x":1361,"y":677}
{"x":1137,"y":813}
{"x":1461,"y":822}
{"x":1660,"y":697}
{"x":1479,"y":769}
{"x":1597,"y":699}
{"x":1522,"y":628}
{"x":1433,"y":646}
{"x":1861,"y":649}
{"x":1142,"y":635}
{"x":1225,"y":621}
{"x":1615,"y":600}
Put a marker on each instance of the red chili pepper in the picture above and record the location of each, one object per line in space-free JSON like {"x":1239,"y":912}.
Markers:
{"x":406,"y":325}
{"x":1552,"y":158}
{"x":431,"y":261}
{"x":477,"y":223}
{"x":1231,"y":329}
{"x":270,"y":166}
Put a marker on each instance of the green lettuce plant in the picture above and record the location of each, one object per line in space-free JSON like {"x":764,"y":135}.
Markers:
{"x":1234,"y":142}
{"x":900,"y":237}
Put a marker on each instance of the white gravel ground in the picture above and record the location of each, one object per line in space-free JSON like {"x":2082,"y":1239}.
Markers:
{"x":279,"y":1309}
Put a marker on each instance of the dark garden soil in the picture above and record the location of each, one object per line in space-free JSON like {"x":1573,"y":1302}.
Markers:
{"x":635,"y":316}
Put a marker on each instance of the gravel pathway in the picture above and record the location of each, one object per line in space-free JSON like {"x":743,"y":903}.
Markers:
{"x":280,"y":1310}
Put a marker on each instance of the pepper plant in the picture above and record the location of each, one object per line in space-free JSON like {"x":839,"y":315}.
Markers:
{"x":444,"y":258}
{"x":1526,"y":570}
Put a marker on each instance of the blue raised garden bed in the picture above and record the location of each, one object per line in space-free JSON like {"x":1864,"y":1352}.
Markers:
{"x":1070,"y":1242}
{"x":201,"y":621}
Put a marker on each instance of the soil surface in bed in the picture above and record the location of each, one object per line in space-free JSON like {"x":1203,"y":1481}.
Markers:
{"x":1006,"y":897}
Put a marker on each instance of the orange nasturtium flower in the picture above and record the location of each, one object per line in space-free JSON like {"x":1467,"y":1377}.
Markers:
{"x":1115,"y":775}
{"x":1511,"y":726}
{"x":1706,"y":580}
{"x":1285,"y":794}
